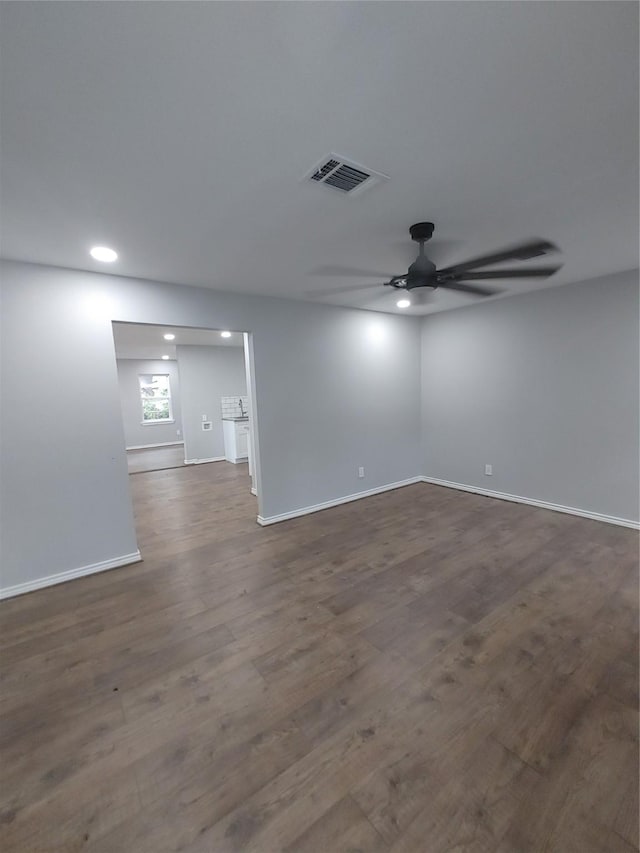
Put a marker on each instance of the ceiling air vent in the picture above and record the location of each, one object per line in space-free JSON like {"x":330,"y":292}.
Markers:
{"x":343,"y":175}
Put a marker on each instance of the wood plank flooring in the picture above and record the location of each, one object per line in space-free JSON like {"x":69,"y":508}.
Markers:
{"x":155,"y":458}
{"x":424,"y":670}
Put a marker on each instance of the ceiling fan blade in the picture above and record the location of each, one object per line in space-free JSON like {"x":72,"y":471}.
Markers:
{"x":333,"y":291}
{"x":469,"y":288}
{"x":528,"y":272}
{"x":534,"y":249}
{"x":385,"y":296}
{"x":347,"y":272}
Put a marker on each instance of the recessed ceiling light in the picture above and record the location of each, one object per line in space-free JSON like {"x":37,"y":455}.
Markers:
{"x":403,"y":303}
{"x":169,"y":337}
{"x":225,"y":334}
{"x":104,"y":254}
{"x":165,"y":358}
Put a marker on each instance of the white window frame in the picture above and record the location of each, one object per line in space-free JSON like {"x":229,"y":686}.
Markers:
{"x":157,"y":421}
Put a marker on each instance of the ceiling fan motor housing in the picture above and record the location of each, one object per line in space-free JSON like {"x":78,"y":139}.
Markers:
{"x":421,"y":273}
{"x":421,"y":231}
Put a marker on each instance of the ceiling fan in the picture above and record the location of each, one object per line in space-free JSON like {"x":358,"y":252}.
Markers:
{"x":424,"y":277}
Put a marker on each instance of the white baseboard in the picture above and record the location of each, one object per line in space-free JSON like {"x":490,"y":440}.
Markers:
{"x":202,"y":461}
{"x":504,"y":496}
{"x":148,"y":446}
{"x":306,"y":510}
{"x":72,"y":574}
{"x":135,"y":557}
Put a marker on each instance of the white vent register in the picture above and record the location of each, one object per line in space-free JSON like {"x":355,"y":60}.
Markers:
{"x":344,"y":176}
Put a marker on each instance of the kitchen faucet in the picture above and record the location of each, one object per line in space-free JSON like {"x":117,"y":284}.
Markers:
{"x":242,"y":411}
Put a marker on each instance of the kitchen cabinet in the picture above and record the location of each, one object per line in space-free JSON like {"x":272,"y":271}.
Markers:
{"x":236,"y":439}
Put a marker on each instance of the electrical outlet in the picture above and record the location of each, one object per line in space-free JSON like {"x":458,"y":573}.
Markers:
{"x":178,"y":432}
{"x":204,"y":417}
{"x":361,"y":472}
{"x":488,"y":470}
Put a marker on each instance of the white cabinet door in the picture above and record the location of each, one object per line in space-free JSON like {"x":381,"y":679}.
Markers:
{"x":242,"y":443}
{"x":230,"y":435}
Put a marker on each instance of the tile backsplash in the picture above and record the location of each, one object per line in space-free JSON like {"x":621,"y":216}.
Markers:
{"x":231,"y":406}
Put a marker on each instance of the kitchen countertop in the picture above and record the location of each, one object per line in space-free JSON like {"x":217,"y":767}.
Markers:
{"x":235,"y":419}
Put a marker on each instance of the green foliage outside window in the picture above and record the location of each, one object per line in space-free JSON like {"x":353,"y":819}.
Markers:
{"x":155,"y":394}
{"x":155,"y":410}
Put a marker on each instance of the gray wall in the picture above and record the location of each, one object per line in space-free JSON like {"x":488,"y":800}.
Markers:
{"x":136,"y":433}
{"x":334,"y":389}
{"x":206,"y":375}
{"x":544,"y":387}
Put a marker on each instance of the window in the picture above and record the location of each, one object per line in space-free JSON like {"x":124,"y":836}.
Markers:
{"x":155,"y":397}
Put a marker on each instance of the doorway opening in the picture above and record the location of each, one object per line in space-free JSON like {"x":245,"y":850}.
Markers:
{"x":186,"y":402}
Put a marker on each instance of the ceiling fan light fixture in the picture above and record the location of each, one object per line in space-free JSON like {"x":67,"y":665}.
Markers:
{"x":403,"y":303}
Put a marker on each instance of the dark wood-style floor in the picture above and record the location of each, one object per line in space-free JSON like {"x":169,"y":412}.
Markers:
{"x":155,"y":458}
{"x":424,"y":670}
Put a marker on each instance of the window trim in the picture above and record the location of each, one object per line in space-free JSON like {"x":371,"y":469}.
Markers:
{"x":158,"y":423}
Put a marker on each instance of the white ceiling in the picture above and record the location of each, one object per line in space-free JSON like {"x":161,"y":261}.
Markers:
{"x":178,"y":133}
{"x":135,"y":340}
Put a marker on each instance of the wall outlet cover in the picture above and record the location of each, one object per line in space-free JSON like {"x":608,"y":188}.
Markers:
{"x":361,"y":472}
{"x":488,"y":470}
